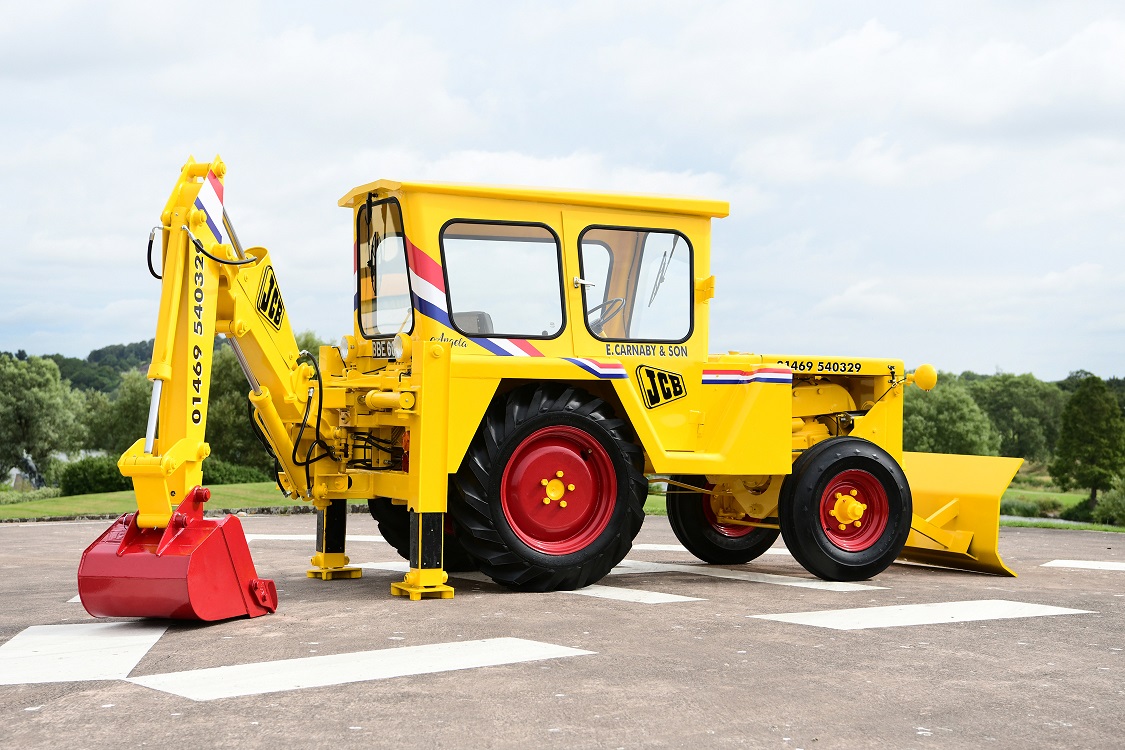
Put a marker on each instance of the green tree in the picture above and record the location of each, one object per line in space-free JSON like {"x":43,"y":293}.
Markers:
{"x":116,"y":422}
{"x":229,"y":432}
{"x":39,"y":414}
{"x":947,"y":420}
{"x":87,"y":376}
{"x":1091,"y":450}
{"x":1024,"y":410}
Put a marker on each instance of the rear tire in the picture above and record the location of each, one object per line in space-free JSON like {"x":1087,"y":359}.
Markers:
{"x":394,"y":527}
{"x":549,"y":442}
{"x":697,"y":527}
{"x":821,"y":521}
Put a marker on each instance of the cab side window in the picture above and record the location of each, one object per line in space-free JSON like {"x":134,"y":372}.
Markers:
{"x":639,"y":284}
{"x":504,"y":279}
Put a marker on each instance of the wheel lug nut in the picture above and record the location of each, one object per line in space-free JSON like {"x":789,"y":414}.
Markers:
{"x":562,"y":503}
{"x":570,"y":487}
{"x":543,"y":482}
{"x":558,"y":474}
{"x":546,"y":501}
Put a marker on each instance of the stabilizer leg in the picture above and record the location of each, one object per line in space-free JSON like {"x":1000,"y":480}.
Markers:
{"x":331,"y":531}
{"x":426,"y":576}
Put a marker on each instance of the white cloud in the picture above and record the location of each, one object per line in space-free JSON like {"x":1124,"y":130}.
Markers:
{"x":941,"y":181}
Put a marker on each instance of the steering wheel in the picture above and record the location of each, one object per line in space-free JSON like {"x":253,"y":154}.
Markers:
{"x":610,"y":309}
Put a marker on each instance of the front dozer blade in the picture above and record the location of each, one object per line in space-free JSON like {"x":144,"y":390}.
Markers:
{"x":195,"y":569}
{"x":957,"y":510}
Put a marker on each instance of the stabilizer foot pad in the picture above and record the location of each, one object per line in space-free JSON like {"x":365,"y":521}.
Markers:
{"x":440,"y":591}
{"x":328,"y":574}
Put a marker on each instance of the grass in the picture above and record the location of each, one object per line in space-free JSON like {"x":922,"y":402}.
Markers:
{"x":1047,"y":523}
{"x":266,"y":495}
{"x":227,"y":496}
{"x":1066,"y":499}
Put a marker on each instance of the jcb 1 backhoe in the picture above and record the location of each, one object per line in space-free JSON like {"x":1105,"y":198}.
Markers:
{"x":520,"y":361}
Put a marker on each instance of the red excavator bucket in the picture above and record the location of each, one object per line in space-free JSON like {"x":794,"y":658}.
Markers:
{"x":195,"y":569}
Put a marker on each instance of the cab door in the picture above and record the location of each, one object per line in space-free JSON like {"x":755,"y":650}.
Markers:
{"x":631,"y":281}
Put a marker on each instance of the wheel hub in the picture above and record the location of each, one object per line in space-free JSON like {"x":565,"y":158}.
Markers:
{"x":558,"y":490}
{"x":854,"y":510}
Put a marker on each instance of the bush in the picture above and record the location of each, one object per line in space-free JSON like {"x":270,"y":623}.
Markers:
{"x":1111,"y":508}
{"x":1080,"y":512}
{"x":221,"y":472}
{"x":11,"y":497}
{"x":93,"y":474}
{"x":1021,"y":508}
{"x":1030,"y":507}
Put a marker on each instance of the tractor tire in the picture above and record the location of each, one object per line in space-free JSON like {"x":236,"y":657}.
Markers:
{"x":551,"y":492}
{"x":698,"y":528}
{"x":845,"y":511}
{"x":394,"y":527}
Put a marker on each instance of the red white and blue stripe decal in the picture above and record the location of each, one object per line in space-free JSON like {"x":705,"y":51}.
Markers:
{"x":603,"y":370}
{"x":427,"y":287}
{"x":210,"y":202}
{"x":742,"y":377}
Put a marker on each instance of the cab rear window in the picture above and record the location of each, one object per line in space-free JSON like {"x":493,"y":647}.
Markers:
{"x":504,"y":279}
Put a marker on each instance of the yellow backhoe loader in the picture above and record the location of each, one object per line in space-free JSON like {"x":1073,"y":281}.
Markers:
{"x":522,"y":364}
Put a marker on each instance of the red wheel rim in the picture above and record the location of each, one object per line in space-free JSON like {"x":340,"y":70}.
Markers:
{"x":862,"y":488}
{"x":734,"y":531}
{"x":572,"y":471}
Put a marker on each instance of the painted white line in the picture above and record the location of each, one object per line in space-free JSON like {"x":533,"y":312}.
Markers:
{"x":72,"y":653}
{"x":682,"y":548}
{"x":634,"y":566}
{"x":339,"y":669}
{"x":308,"y":538}
{"x":1084,"y":564}
{"x":401,"y":566}
{"x":920,"y":614}
{"x":636,"y":596}
{"x":48,"y":524}
{"x":76,"y":599}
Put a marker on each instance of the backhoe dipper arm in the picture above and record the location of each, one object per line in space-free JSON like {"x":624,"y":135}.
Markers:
{"x":211,"y":286}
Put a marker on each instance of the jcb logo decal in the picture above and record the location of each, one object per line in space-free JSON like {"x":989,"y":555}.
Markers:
{"x":270,"y":305}
{"x":658,"y":387}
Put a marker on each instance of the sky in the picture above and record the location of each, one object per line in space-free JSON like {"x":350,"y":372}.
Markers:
{"x":936,"y":182}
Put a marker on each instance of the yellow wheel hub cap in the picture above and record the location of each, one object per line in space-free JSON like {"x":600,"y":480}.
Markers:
{"x":848,"y":509}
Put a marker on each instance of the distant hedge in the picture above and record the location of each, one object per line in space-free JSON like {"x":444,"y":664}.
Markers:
{"x":93,"y":474}
{"x":11,"y":497}
{"x":220,"y":472}
{"x":100,"y":474}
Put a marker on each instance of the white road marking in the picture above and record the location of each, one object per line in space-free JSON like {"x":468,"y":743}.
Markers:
{"x":71,"y":653}
{"x":339,"y":669}
{"x":76,"y":599}
{"x":682,"y":548}
{"x":920,"y":614}
{"x":626,"y":567}
{"x":401,"y":566}
{"x":1084,"y":564}
{"x":635,"y":566}
{"x":308,"y":538}
{"x":636,"y":596}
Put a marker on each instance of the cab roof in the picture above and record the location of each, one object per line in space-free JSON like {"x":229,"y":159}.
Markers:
{"x":658,"y":203}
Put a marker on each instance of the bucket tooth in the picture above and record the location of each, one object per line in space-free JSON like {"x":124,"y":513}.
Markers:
{"x":957,"y":510}
{"x":194,"y":569}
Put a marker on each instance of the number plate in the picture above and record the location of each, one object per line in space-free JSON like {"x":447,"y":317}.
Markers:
{"x":381,"y":349}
